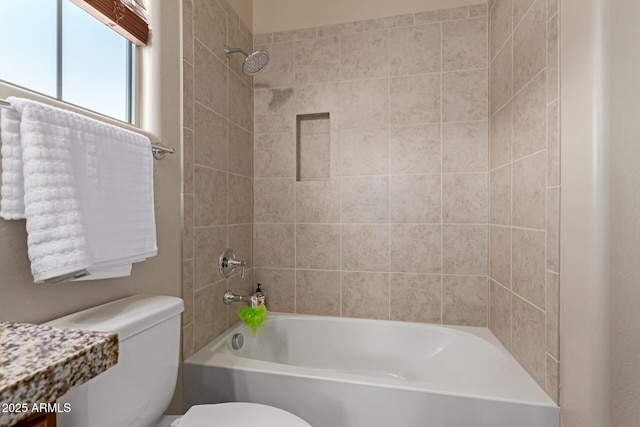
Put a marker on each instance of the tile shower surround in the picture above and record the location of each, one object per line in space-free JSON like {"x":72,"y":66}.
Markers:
{"x":416,"y":214}
{"x":399,"y":229}
{"x":217,"y":168}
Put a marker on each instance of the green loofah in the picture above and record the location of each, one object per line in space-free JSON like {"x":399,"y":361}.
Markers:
{"x":254,"y":318}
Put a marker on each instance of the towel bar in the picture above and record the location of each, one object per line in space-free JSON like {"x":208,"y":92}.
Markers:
{"x":157,"y":149}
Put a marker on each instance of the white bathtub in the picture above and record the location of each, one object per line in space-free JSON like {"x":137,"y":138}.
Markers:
{"x":338,"y":372}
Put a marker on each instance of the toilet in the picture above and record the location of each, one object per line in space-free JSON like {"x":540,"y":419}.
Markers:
{"x":136,"y":392}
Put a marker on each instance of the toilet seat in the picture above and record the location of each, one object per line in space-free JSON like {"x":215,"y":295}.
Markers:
{"x":238,"y":414}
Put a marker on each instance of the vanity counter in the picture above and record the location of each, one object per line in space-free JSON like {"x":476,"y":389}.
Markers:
{"x":39,"y":364}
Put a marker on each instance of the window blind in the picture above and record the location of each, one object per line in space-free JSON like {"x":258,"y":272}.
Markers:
{"x":127,"y":17}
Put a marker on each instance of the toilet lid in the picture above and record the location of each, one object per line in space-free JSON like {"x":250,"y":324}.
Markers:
{"x":237,"y":414}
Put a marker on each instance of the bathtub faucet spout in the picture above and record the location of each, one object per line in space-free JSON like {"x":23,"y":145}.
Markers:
{"x":230,"y":297}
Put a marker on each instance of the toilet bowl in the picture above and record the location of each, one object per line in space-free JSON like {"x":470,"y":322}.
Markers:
{"x":139,"y":388}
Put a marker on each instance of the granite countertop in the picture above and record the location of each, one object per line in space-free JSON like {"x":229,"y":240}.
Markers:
{"x":38,"y":364}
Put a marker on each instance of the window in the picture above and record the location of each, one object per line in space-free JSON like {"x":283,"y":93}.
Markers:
{"x":55,"y":48}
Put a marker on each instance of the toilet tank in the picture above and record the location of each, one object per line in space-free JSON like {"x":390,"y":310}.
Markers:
{"x":136,"y":391}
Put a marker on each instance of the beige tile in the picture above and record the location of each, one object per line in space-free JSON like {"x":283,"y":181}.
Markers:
{"x":187,"y":95}
{"x":478,"y":10}
{"x":210,"y":139}
{"x":415,"y":198}
{"x":464,"y":249}
{"x":464,"y":198}
{"x":341,"y":29}
{"x":364,"y":151}
{"x":241,"y":240}
{"x":187,"y":172}
{"x":500,"y":196}
{"x":187,"y":227}
{"x":552,"y":7}
{"x":415,"y":297}
{"x":529,"y":191}
{"x":387,"y":23}
{"x":274,"y":110}
{"x":318,"y":201}
{"x":530,"y":45}
{"x":210,"y":25}
{"x":292,"y":35}
{"x":465,"y":147}
{"x":187,"y":292}
{"x":317,"y":61}
{"x":320,"y":98}
{"x":500,"y":19}
{"x":500,"y":255}
{"x":318,"y":246}
{"x":273,"y":200}
{"x":551,"y":309}
{"x":501,"y":78}
{"x":314,"y":156}
{"x":465,"y":300}
{"x":187,"y":31}
{"x":240,"y":199}
{"x":365,"y":295}
{"x":279,"y":73}
{"x":364,"y":55}
{"x":210,"y":314}
{"x":187,"y":342}
{"x":240,"y":158}
{"x":553,"y":59}
{"x":365,"y":247}
{"x":274,"y":245}
{"x":464,"y":96}
{"x":415,"y":149}
{"x":415,"y":248}
{"x":209,"y":242}
{"x":415,"y":99}
{"x":528,"y":272}
{"x":275,"y":155}
{"x":364,"y":104}
{"x":500,"y":313}
{"x":530,"y":118}
{"x":553,"y":229}
{"x":415,"y":50}
{"x":441,"y":15}
{"x":528,"y":339}
{"x":262,"y":39}
{"x":365,"y":199}
{"x":464,"y":44}
{"x":318,"y":292}
{"x":520,"y":8}
{"x":232,"y":15}
{"x":553,"y":372}
{"x":279,"y":287}
{"x":210,"y":198}
{"x":240,"y":105}
{"x":500,"y":136}
{"x":210,"y":80}
{"x":553,"y":145}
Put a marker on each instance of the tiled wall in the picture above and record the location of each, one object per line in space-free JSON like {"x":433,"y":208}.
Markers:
{"x":524,"y":183}
{"x":399,"y":229}
{"x":217,"y":169}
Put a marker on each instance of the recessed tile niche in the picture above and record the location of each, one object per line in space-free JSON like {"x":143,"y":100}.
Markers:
{"x":313,"y":147}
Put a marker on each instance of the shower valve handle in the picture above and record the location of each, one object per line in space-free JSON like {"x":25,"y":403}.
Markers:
{"x":228,"y":262}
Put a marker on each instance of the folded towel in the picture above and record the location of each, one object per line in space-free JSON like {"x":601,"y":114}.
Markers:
{"x":87,"y":191}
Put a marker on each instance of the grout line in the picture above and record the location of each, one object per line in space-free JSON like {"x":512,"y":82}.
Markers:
{"x":441,"y":181}
{"x":388,"y":33}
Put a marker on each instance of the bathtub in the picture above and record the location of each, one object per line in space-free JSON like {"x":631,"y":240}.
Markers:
{"x":339,"y":372}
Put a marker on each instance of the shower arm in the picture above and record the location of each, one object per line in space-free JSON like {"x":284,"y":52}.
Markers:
{"x":228,"y":51}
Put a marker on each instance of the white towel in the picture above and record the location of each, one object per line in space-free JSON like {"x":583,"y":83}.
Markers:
{"x":87,"y":191}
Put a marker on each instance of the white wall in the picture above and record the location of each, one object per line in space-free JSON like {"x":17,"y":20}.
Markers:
{"x":281,"y":15}
{"x":584,"y":294}
{"x":625,"y":213}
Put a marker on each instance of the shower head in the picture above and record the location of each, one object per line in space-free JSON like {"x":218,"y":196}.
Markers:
{"x":253,"y":62}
